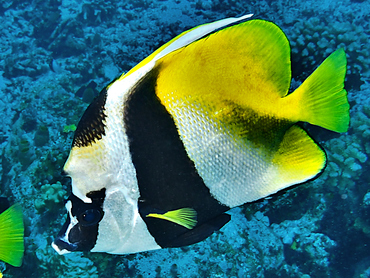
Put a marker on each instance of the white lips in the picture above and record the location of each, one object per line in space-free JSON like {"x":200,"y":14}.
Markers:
{"x":60,"y":252}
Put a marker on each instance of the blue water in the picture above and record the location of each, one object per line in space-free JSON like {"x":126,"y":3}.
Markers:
{"x":52,"y":51}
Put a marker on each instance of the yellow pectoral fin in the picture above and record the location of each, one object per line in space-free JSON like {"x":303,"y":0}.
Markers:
{"x":186,"y":217}
{"x":11,"y":236}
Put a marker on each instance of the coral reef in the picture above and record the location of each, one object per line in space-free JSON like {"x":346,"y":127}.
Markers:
{"x":313,"y":40}
{"x":50,"y":69}
{"x":50,"y":197}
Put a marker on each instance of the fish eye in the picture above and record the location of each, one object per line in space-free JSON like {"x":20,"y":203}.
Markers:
{"x":90,"y":217}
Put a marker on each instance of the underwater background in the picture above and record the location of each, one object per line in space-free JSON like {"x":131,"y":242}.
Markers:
{"x":56,"y":55}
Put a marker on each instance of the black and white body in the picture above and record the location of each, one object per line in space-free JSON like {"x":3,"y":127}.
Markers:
{"x":165,"y":150}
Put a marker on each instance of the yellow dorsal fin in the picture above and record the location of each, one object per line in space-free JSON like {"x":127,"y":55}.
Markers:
{"x":247,"y":64}
{"x":186,"y":217}
{"x":11,"y":235}
{"x":321,"y":99}
{"x":186,"y":38}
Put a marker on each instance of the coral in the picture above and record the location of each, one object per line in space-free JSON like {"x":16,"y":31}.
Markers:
{"x":362,"y":225}
{"x":318,"y":247}
{"x":72,"y":265}
{"x":41,"y":136}
{"x":301,"y":244}
{"x":348,"y":153}
{"x":366,"y":200}
{"x":50,"y":197}
{"x":365,"y":274}
{"x":345,"y":157}
{"x":26,"y":153}
{"x":314,"y":39}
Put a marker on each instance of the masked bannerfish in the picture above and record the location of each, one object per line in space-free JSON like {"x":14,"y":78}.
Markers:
{"x":202,"y":125}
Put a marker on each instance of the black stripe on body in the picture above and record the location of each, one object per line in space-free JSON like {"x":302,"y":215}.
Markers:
{"x":166,"y":176}
{"x":91,"y":126}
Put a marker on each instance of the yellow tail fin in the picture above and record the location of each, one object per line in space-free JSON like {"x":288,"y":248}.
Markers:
{"x":322,"y":99}
{"x":11,"y":235}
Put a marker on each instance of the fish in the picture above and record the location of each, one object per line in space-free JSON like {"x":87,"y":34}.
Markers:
{"x":203,"y":124}
{"x":55,"y":67}
{"x":11,"y":236}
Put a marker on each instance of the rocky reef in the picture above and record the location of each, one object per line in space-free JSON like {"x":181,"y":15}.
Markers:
{"x":57,"y":55}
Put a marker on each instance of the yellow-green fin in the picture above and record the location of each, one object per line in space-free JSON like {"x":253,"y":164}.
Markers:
{"x":186,"y":217}
{"x":186,"y":38}
{"x":321,"y":99}
{"x":11,"y":235}
{"x":298,"y":158}
{"x":260,"y":66}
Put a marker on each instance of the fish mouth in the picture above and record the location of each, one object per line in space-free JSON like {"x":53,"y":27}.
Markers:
{"x":62,"y":247}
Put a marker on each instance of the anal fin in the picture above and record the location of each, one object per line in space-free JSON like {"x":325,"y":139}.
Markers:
{"x":299,"y":158}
